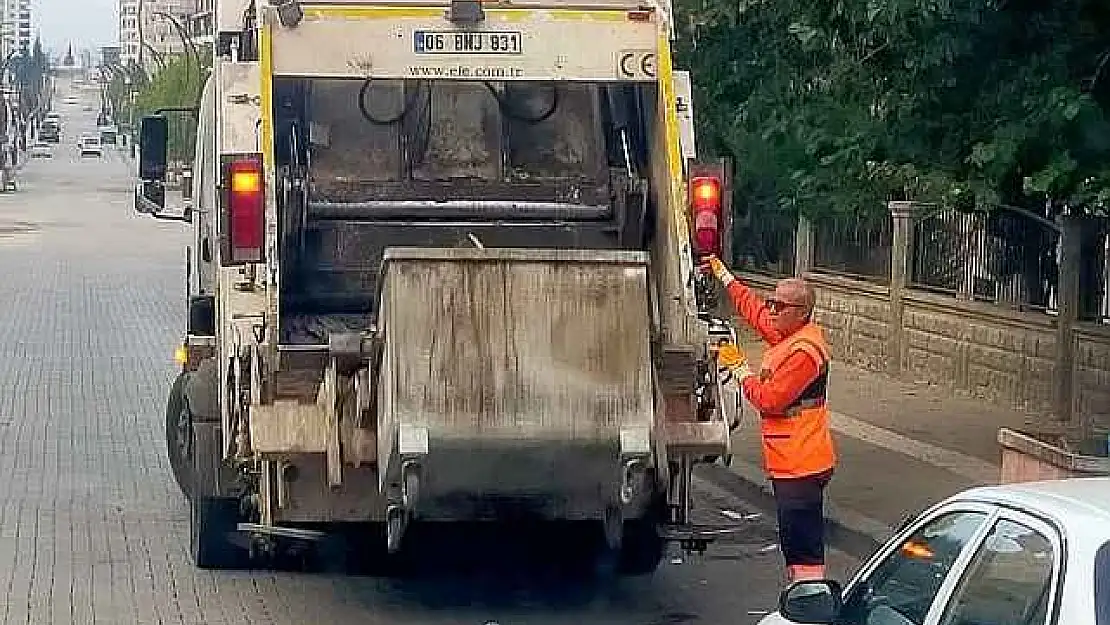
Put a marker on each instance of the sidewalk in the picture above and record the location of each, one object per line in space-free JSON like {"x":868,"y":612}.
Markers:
{"x":902,"y":446}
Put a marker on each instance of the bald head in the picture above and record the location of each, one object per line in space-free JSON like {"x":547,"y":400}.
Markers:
{"x":791,"y":305}
{"x":798,"y":292}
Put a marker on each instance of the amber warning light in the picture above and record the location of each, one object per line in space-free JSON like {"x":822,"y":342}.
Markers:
{"x":705,"y":202}
{"x":245,"y":182}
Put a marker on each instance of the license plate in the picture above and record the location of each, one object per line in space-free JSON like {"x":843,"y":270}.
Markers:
{"x":466,"y":42}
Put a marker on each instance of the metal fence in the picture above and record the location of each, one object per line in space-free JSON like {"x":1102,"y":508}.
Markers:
{"x":1003,"y":257}
{"x":764,"y":243}
{"x":854,"y":248}
{"x":1094,"y":274}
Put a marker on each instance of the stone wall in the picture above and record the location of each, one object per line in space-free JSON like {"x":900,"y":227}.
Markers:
{"x":1092,"y":375}
{"x":990,"y":352}
{"x":1002,"y":356}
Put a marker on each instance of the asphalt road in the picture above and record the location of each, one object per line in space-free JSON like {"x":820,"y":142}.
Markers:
{"x":92,"y":529}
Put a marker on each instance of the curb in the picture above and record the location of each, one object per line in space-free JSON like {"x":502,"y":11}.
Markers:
{"x":846,"y":530}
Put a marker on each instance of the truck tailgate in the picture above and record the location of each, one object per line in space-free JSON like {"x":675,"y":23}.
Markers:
{"x":500,"y":352}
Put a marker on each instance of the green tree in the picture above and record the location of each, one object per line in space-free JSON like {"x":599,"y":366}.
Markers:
{"x":834,"y":107}
{"x":178,"y":84}
{"x":31,"y":77}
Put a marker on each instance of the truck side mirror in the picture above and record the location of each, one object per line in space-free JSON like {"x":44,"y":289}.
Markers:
{"x":153,"y":143}
{"x":150,"y":193}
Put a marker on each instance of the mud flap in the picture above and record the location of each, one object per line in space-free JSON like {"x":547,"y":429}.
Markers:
{"x":214,"y":541}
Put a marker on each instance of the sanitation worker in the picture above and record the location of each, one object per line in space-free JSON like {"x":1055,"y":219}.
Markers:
{"x":789,"y":391}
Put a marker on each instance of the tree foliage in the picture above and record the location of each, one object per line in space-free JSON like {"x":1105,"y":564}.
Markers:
{"x":30,"y":74}
{"x":178,"y":84}
{"x":838,"y":106}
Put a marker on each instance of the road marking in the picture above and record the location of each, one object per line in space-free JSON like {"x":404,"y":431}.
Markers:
{"x":974,"y":469}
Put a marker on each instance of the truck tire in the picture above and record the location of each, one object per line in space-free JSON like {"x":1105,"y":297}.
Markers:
{"x":179,"y":436}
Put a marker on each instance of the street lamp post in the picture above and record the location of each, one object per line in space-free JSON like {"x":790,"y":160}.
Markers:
{"x":130,"y":109}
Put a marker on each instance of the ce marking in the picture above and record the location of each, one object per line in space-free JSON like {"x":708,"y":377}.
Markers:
{"x":636,"y":64}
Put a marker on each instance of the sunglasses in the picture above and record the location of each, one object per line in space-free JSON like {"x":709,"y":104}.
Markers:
{"x":777,"y":306}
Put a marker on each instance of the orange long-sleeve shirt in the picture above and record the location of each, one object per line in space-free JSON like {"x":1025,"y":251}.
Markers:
{"x":772,"y":395}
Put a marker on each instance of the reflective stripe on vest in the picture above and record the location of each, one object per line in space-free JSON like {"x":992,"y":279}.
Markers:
{"x":798,"y":442}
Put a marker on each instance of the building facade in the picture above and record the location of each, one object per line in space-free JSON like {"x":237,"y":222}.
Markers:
{"x":16,"y":28}
{"x":109,"y":56}
{"x":163,"y":27}
{"x":130,"y":47}
{"x":149,"y":38}
{"x":202,"y":22}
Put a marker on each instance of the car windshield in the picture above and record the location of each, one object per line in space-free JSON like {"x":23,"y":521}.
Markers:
{"x":1102,"y":585}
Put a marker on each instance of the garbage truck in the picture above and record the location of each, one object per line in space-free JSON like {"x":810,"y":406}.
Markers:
{"x":444,"y":271}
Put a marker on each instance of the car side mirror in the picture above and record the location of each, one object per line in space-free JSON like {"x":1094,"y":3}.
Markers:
{"x":812,"y":602}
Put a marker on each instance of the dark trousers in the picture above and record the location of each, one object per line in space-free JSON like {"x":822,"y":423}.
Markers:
{"x":800,"y":504}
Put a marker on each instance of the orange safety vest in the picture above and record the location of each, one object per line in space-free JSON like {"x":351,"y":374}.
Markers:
{"x":798,"y":443}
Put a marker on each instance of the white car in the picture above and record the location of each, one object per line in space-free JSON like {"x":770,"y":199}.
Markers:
{"x":90,"y":146}
{"x":41,"y":149}
{"x":1034,"y":553}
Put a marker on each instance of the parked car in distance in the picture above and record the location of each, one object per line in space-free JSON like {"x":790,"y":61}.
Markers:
{"x":108,"y":134}
{"x":50,"y":131}
{"x":90,"y":146}
{"x":1034,"y":553}
{"x":41,"y":149}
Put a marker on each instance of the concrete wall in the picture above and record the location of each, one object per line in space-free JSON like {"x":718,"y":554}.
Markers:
{"x":1003,"y":356}
{"x":1092,"y":374}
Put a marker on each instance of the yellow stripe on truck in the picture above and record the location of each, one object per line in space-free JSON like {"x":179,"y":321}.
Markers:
{"x":671,"y":140}
{"x":266,"y":60}
{"x":508,"y":15}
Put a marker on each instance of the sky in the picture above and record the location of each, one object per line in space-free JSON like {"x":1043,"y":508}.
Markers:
{"x":85,"y":23}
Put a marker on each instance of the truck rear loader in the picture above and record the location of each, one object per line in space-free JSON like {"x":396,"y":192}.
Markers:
{"x":443,"y":271}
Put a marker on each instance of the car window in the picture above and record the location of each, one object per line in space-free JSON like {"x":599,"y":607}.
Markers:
{"x":1008,"y":580}
{"x":901,"y":589}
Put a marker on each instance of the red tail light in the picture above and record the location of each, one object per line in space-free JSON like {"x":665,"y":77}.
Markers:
{"x":246,"y":219}
{"x":705,"y":202}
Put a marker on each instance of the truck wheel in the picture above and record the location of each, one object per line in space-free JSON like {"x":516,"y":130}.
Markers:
{"x":179,"y":436}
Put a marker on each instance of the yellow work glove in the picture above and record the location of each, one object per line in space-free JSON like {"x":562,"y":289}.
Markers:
{"x":732,"y":359}
{"x":713,"y":266}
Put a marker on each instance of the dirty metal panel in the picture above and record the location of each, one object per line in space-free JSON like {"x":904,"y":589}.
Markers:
{"x":307,"y":497}
{"x":288,"y":427}
{"x":240,"y":103}
{"x":482,"y":480}
{"x":464,"y":137}
{"x":539,"y":345}
{"x":340,"y":265}
{"x":511,"y":44}
{"x":346,"y":148}
{"x":696,"y":438}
